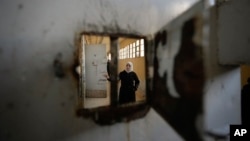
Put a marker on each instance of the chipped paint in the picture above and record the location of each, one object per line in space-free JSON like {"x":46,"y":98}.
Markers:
{"x":37,"y":31}
{"x":178,"y":60}
{"x":165,"y":56}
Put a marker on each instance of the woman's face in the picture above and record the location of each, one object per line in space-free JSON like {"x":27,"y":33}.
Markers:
{"x":128,"y":67}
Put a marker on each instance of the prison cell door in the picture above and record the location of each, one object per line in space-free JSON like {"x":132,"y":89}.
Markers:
{"x":95,"y":94}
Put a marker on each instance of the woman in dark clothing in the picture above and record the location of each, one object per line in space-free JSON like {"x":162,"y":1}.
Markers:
{"x":129,"y":84}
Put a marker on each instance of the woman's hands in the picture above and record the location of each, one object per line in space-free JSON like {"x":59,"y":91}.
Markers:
{"x":106,"y":76}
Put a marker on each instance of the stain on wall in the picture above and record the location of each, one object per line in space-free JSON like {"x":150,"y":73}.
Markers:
{"x":33,"y":33}
{"x":58,"y":66}
{"x":188,"y":77}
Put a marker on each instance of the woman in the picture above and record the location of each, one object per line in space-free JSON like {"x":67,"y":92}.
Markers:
{"x":129,"y":84}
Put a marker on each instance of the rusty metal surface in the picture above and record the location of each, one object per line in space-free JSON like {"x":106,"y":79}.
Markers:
{"x":188,"y":77}
{"x":34,"y":96}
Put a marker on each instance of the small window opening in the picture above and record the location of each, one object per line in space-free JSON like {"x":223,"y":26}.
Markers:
{"x":95,"y":61}
{"x":112,"y":75}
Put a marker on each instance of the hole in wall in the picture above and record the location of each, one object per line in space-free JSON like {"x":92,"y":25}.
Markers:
{"x":113,"y":77}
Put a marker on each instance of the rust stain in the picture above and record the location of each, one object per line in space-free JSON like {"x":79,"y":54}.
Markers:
{"x":76,"y":58}
{"x":188,"y":78}
{"x":188,"y":66}
{"x":58,"y":66}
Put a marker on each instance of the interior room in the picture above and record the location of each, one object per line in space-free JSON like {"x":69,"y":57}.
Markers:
{"x":130,"y":50}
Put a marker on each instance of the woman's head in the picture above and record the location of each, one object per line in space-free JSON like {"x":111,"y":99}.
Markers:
{"x":129,"y":66}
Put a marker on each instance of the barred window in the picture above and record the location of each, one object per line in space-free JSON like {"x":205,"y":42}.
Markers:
{"x":133,"y":50}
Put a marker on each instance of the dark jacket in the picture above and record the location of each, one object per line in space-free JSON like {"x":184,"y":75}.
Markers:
{"x":129,"y":84}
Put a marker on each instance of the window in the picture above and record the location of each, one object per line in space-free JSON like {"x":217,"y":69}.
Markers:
{"x":99,"y":56}
{"x":132,"y":50}
{"x":142,"y":48}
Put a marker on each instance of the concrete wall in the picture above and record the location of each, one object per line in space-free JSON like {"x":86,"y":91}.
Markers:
{"x":221,"y":93}
{"x":233,"y":36}
{"x":36,"y":104}
{"x":223,"y":84}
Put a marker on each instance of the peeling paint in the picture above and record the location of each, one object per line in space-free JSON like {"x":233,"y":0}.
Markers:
{"x":180,"y":64}
{"x":25,"y":31}
{"x":165,"y":53}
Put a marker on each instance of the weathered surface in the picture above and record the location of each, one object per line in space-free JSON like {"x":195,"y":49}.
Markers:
{"x":180,"y":109}
{"x":233,"y":34}
{"x":35,"y":103}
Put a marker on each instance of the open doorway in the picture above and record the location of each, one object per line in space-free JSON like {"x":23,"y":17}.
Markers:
{"x":132,"y":50}
{"x":97,"y":51}
{"x":95,"y":88}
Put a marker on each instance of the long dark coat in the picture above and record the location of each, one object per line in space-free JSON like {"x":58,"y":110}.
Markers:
{"x":129,"y":84}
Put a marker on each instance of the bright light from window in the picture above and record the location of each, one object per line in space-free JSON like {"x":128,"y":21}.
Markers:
{"x":133,"y":50}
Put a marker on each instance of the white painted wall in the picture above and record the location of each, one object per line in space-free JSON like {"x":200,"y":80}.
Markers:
{"x":34,"y":104}
{"x":223,"y":85}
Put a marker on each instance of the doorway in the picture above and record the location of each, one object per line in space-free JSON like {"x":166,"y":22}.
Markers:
{"x":95,"y":53}
{"x":132,"y":50}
